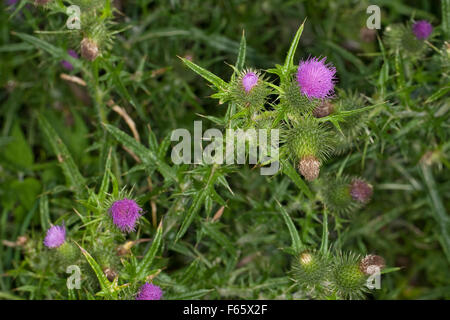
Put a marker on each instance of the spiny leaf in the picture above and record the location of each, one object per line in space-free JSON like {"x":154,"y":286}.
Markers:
{"x":54,"y":51}
{"x":147,"y":156}
{"x":242,"y":51}
{"x":289,"y":62}
{"x":207,"y":75}
{"x":146,"y":262}
{"x":70,"y":170}
{"x":102,"y":279}
{"x":106,"y":179}
{"x":296,"y":242}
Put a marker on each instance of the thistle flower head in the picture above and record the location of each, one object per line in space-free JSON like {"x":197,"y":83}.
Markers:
{"x":89,"y":49}
{"x":125,"y":214}
{"x":149,"y":291}
{"x":315,"y":78}
{"x":360,"y":190}
{"x":422,"y":29}
{"x":371,"y":264}
{"x":55,"y":237}
{"x":249,"y":80}
{"x":66,"y":64}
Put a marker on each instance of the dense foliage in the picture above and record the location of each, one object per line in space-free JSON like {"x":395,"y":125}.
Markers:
{"x":87,"y":178}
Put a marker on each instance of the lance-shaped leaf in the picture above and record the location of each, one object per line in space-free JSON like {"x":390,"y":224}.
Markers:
{"x":289,"y":62}
{"x":49,"y":48}
{"x":144,"y":265}
{"x":446,"y":17}
{"x":242,"y":52}
{"x":146,"y":155}
{"x":296,"y":242}
{"x":207,"y":75}
{"x":102,"y":279}
{"x":70,"y":170}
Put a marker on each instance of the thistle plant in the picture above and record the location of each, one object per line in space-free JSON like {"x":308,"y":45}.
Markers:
{"x":88,"y":182}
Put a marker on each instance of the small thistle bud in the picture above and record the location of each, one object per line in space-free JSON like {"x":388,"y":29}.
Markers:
{"x":315,"y":78}
{"x":371,"y":264}
{"x":324,"y":109}
{"x":309,"y":144}
{"x":310,"y":269}
{"x":89,"y":49}
{"x":347,"y":279}
{"x":309,"y":167}
{"x":41,"y":2}
{"x":110,"y":274}
{"x":149,"y":291}
{"x":249,"y":91}
{"x":422,"y":29}
{"x":68,"y":253}
{"x":361,"y":191}
{"x":249,"y":80}
{"x":125,"y":213}
{"x":66,"y":64}
{"x":55,"y":237}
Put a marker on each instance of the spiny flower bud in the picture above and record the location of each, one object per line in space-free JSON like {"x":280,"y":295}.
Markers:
{"x":125,"y":214}
{"x":149,"y":291}
{"x":249,"y":91}
{"x":324,"y":109}
{"x":55,"y":237}
{"x":422,"y":29}
{"x":309,"y":167}
{"x":315,"y":78}
{"x":68,"y":253}
{"x":89,"y":49}
{"x":361,"y":191}
{"x":249,"y":80}
{"x":297,"y":103}
{"x":309,"y":144}
{"x":310,"y":269}
{"x":371,"y":264}
{"x":347,"y":279}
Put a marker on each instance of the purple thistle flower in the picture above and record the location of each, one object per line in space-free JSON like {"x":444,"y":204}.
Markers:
{"x":55,"y":237}
{"x":249,"y":80}
{"x":11,"y":2}
{"x":125,"y":214}
{"x":422,"y":29}
{"x":149,"y":291}
{"x":66,"y":64}
{"x":361,"y":191}
{"x":315,"y":78}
